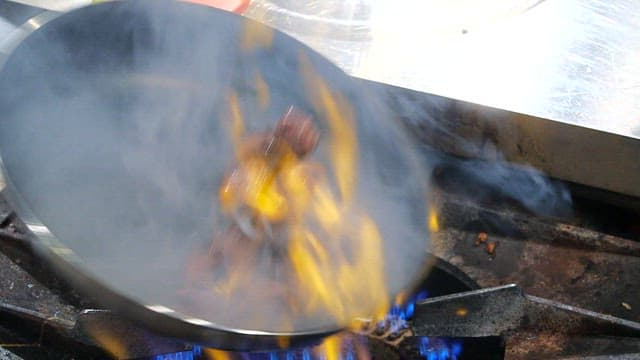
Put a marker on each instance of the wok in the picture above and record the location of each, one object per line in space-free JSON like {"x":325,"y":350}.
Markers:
{"x":113,"y":143}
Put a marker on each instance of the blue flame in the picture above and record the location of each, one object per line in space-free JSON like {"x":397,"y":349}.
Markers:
{"x":409,"y":311}
{"x":439,"y":349}
{"x":430,"y":348}
{"x":194,"y":353}
{"x":197,"y":350}
{"x":456,"y":349}
{"x":183,"y":355}
{"x":405,"y":311}
{"x":306,"y":355}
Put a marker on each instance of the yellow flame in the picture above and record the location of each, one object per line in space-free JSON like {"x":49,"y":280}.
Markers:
{"x":215,"y":354}
{"x":110,"y":342}
{"x":330,"y":349}
{"x":326,"y":209}
{"x":340,"y":118}
{"x":371,"y":253}
{"x":253,"y":183}
{"x":256,"y":35}
{"x":236,"y":129}
{"x":297,"y":179}
{"x":344,"y":144}
{"x":335,"y":249}
{"x":260,"y":190}
{"x":284,"y":342}
{"x":434,"y":223}
{"x":307,"y":267}
{"x":262,"y":89}
{"x":340,"y":286}
{"x":400,"y":299}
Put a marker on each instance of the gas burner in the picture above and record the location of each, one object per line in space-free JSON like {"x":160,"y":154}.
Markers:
{"x":42,"y":322}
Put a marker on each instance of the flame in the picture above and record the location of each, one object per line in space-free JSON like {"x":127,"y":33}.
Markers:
{"x":331,"y":348}
{"x":256,"y":35}
{"x":349,"y":280}
{"x":433,"y":222}
{"x":236,"y":128}
{"x":262,"y":89}
{"x":109,"y":341}
{"x":284,"y":342}
{"x":340,"y":118}
{"x":276,"y":194}
{"x":336,"y":347}
{"x":215,"y":354}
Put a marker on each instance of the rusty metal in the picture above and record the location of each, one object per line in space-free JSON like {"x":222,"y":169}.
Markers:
{"x":458,"y":213}
{"x":533,"y":327}
{"x":581,"y":284}
{"x":41,"y":336}
{"x":547,"y":258}
{"x":108,"y":330}
{"x":500,"y":310}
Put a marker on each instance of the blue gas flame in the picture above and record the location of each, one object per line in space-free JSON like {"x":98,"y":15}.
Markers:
{"x":430,"y":348}
{"x":439,"y":349}
{"x":405,"y":312}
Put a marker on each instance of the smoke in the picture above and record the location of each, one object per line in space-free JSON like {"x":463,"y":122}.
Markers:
{"x":473,"y":163}
{"x":114,"y":132}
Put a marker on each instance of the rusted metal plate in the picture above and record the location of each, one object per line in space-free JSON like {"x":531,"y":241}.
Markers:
{"x":533,"y":327}
{"x":560,"y":262}
{"x":582,"y":273}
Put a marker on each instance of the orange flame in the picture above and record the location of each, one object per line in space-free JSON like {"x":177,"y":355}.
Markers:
{"x":236,"y":129}
{"x":262,"y":89}
{"x":256,"y":35}
{"x":330,"y":349}
{"x":109,"y":341}
{"x":340,"y":118}
{"x":334,"y":249}
{"x":215,"y":354}
{"x":432,"y":221}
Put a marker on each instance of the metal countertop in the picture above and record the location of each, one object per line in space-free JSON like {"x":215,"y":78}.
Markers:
{"x":573,"y":61}
{"x":506,"y":77}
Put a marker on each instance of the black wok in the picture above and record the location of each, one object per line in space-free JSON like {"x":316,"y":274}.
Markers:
{"x":113,"y":142}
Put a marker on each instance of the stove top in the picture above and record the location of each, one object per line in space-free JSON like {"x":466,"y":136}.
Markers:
{"x":506,"y":284}
{"x":516,"y":276}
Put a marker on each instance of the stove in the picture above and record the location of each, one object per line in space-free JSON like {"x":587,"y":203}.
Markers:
{"x":42,"y":318}
{"x":506,"y":284}
{"x":524,"y":267}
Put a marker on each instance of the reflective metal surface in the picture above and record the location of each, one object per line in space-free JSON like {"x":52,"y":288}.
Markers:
{"x":122,"y":71}
{"x":574,"y":61}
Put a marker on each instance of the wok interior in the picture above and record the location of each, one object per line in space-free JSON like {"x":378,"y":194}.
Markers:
{"x":113,"y":133}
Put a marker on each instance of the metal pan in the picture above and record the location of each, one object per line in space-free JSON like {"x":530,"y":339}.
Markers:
{"x":114,"y":140}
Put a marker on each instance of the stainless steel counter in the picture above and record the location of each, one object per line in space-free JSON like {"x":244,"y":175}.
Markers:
{"x":548,"y":83}
{"x":574,"y":61}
